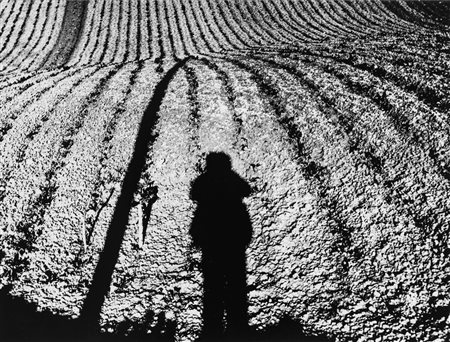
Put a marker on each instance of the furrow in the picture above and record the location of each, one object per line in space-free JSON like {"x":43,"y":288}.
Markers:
{"x":404,"y":166}
{"x":79,"y":54}
{"x":16,"y":103}
{"x":37,"y":38}
{"x":159,"y":266}
{"x":69,"y":35}
{"x":104,"y":45}
{"x":223,"y":14}
{"x":63,"y":251}
{"x":178,"y":44}
{"x":97,"y":33}
{"x":185,"y":29}
{"x":22,"y":35}
{"x":30,"y":122}
{"x":24,"y":208}
{"x":214,"y":25}
{"x":15,"y":22}
{"x":410,"y":115}
{"x":46,"y":45}
{"x":284,"y":234}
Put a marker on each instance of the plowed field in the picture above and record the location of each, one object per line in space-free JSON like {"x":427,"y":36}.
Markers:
{"x":336,"y":113}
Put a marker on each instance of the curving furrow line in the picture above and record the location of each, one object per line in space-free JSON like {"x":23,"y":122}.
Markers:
{"x":48,"y":152}
{"x":113,"y":46}
{"x":164,"y":38}
{"x":43,"y":47}
{"x":304,"y":10}
{"x":22,"y":36}
{"x":431,"y":90}
{"x":352,"y":203}
{"x":134,"y":42}
{"x":399,"y":53}
{"x":28,"y":124}
{"x":228,"y":23}
{"x":367,"y":14}
{"x":373,"y":14}
{"x":267,"y":11}
{"x":18,"y":99}
{"x":422,"y":218}
{"x":192,"y":31}
{"x":203,"y":31}
{"x":227,"y":89}
{"x":69,"y":35}
{"x":98,"y":32}
{"x":208,"y":34}
{"x":175,"y":35}
{"x":298,"y":21}
{"x":294,"y":21}
{"x":428,"y":128}
{"x":190,"y":46}
{"x":139,"y":31}
{"x":13,"y":86}
{"x":253,"y":13}
{"x":12,"y":19}
{"x":108,"y":38}
{"x":430,"y":87}
{"x":414,"y":165}
{"x":9,"y":9}
{"x":242,"y":19}
{"x":174,"y":46}
{"x":378,"y":6}
{"x":14,"y":64}
{"x":159,"y":37}
{"x":124,"y":47}
{"x":148,"y":40}
{"x":75,"y":183}
{"x":4,"y":6}
{"x":304,"y":226}
{"x":213,"y":25}
{"x":350,"y":17}
{"x":322,"y":11}
{"x":88,"y":27}
{"x":347,"y":15}
{"x":300,"y":17}
{"x":319,"y":10}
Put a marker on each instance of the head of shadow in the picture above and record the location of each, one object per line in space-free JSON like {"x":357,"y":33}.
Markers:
{"x":222,"y":229}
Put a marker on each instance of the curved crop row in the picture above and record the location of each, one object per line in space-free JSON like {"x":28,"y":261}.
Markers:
{"x":333,"y":112}
{"x":120,"y":30}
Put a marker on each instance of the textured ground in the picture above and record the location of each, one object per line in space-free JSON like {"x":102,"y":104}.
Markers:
{"x":336,"y":113}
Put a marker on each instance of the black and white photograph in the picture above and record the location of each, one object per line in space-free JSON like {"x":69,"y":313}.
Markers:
{"x":225,"y":170}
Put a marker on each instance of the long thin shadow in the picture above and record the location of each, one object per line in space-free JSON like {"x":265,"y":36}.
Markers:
{"x":222,"y":229}
{"x":90,"y":312}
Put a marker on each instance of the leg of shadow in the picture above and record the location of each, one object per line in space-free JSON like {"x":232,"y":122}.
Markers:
{"x":213,"y":294}
{"x":236,"y":294}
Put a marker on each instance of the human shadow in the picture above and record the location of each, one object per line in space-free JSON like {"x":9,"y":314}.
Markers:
{"x":222,"y":229}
